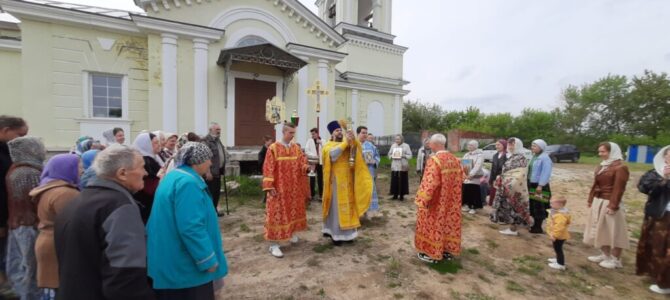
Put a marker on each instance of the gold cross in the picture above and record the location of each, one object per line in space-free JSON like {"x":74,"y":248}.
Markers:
{"x":317,"y":91}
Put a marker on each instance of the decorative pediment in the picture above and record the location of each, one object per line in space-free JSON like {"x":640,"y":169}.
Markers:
{"x":293,"y":9}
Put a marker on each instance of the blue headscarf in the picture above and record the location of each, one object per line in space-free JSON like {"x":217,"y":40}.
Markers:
{"x":88,"y":157}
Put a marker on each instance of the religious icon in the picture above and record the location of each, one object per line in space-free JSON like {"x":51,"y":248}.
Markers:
{"x":467,"y":165}
{"x":397,"y":153}
{"x":274,"y":110}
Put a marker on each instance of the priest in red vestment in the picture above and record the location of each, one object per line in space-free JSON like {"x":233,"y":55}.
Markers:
{"x":287,"y":188}
{"x":438,"y":224}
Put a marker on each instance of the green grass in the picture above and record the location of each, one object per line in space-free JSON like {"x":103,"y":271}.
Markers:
{"x":514,"y":287}
{"x":244,"y":228}
{"x":528,"y":265}
{"x":447,"y":266}
{"x":322,"y":248}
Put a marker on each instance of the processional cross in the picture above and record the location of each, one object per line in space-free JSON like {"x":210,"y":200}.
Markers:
{"x":317,"y":91}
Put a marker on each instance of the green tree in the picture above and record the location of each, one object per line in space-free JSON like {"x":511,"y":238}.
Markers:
{"x":648,"y":110}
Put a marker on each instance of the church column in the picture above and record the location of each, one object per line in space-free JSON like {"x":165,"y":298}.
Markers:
{"x":169,"y":81}
{"x":303,"y":102}
{"x":354,"y":106}
{"x":324,"y":116}
{"x":200,"y":47}
{"x":398,"y":115}
{"x":377,"y":15}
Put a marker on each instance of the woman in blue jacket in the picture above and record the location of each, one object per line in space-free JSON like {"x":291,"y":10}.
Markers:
{"x":539,"y":173}
{"x":184,"y":249}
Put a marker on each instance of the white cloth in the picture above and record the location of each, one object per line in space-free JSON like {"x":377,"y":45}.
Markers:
{"x":615,"y":154}
{"x":143,"y":145}
{"x":659,"y":161}
{"x":541,"y":143}
{"x":518,"y":147}
{"x":312,"y":152}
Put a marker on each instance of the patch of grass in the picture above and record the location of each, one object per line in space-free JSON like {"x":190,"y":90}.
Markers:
{"x":313,"y":262}
{"x":528,"y":265}
{"x":472,"y":251}
{"x":469,"y":296}
{"x":248,"y":187}
{"x":492,"y":244}
{"x":514,"y":287}
{"x":322,"y":248}
{"x":447,"y":266}
{"x":259,"y":238}
{"x":579,"y":283}
{"x":393,"y":285}
{"x":321,"y":293}
{"x":398,"y":296}
{"x":378,"y":221}
{"x":393,"y":268}
{"x":244,"y":228}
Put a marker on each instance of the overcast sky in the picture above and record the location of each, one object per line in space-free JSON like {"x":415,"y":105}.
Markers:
{"x":504,"y":55}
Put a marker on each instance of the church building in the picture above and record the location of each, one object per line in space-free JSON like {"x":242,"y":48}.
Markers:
{"x":72,"y":70}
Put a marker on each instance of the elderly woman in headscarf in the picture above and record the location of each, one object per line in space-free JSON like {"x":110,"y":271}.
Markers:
{"x":58,"y":187}
{"x":400,"y":154}
{"x":168,"y":149}
{"x":183,"y":216}
{"x":28,"y":154}
{"x":510,"y":205}
{"x":653,"y":249}
{"x":149,"y":146}
{"x":473,"y":163}
{"x":606,"y":226}
{"x":181,"y":141}
{"x":89,"y":173}
{"x":497,"y":162}
{"x":539,"y":174}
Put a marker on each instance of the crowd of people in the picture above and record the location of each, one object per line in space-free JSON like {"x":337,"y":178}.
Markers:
{"x":111,"y":221}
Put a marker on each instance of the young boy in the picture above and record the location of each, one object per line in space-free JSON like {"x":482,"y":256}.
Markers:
{"x":557,"y":228}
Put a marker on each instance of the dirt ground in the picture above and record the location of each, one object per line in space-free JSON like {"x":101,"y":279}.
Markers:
{"x":382,"y":263}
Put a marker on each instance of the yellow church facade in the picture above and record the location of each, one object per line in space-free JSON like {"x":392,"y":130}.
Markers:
{"x":73,"y":70}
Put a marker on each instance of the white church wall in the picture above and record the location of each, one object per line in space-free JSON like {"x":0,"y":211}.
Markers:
{"x":369,"y":61}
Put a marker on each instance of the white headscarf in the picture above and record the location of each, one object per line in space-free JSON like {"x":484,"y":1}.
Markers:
{"x":659,"y":161}
{"x":615,"y":154}
{"x":541,"y":143}
{"x":518,"y":146}
{"x":143,"y":145}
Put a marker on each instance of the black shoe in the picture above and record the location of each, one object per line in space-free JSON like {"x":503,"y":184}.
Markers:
{"x":402,"y":198}
{"x":447,"y":256}
{"x":326,"y":235}
{"x":535,"y":230}
{"x":220,"y":214}
{"x":394,"y":198}
{"x":336,"y":243}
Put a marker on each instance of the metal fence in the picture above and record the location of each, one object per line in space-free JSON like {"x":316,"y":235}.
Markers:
{"x":383,"y":143}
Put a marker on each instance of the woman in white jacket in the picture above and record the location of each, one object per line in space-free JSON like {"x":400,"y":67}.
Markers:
{"x":400,"y":154}
{"x":473,"y":163}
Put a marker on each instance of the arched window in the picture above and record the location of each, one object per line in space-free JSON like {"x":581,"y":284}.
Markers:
{"x":250,"y":40}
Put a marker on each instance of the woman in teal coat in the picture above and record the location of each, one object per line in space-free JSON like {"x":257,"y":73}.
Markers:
{"x":184,"y":249}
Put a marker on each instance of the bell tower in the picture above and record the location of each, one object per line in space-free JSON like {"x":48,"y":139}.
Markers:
{"x":375,"y":14}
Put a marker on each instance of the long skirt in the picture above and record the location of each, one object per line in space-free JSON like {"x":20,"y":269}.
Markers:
{"x":399,"y":183}
{"x":606,"y":230}
{"x":652,"y":250}
{"x":201,"y":292}
{"x":471,"y":196}
{"x":538,"y":209}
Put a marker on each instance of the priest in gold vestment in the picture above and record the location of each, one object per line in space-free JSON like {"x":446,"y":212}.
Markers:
{"x":347,"y":184}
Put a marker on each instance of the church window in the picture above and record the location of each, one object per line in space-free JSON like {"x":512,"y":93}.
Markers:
{"x":251,"y":40}
{"x":106,"y":96}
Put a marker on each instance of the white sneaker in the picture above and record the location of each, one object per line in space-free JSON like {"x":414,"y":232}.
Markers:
{"x":472,"y":211}
{"x":598,"y":258}
{"x":276,"y":252}
{"x":612,"y":263}
{"x":509,"y":232}
{"x":656,"y":289}
{"x":465,"y":208}
{"x":556,"y":266}
{"x":552,"y":260}
{"x":294,"y":239}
